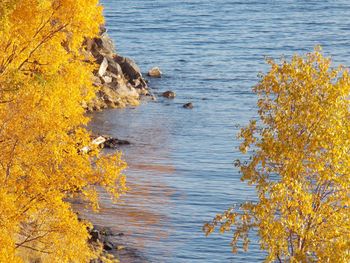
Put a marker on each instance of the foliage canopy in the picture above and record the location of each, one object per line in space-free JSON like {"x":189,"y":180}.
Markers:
{"x":43,"y":79}
{"x":300,"y":164}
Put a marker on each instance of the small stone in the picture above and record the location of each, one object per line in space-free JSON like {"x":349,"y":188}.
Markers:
{"x":107,"y":246}
{"x":99,"y":140}
{"x":107,"y":79}
{"x":155,"y":72}
{"x":188,"y":105}
{"x":119,"y":247}
{"x":95,"y":235}
{"x":169,"y":94}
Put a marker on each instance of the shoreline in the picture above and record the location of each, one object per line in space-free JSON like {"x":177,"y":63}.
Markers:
{"x":115,"y":245}
{"x":119,"y":84}
{"x":118,"y":80}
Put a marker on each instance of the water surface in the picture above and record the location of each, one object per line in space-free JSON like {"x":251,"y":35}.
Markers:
{"x":181,"y":171}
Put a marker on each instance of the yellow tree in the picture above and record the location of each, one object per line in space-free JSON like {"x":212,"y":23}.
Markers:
{"x":299,"y":163}
{"x":43,"y":79}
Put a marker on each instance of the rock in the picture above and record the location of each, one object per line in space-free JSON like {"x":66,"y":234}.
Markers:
{"x":144,"y":92}
{"x":123,"y":142}
{"x":114,"y":143}
{"x":118,"y":79}
{"x":155,"y":72}
{"x":88,"y":44}
{"x":108,"y":246}
{"x":108,"y":44}
{"x":129,"y":67}
{"x":114,"y":67}
{"x":100,"y":47}
{"x":103,"y":67}
{"x":119,"y":247}
{"x":99,"y":140}
{"x":169,"y":94}
{"x":126,"y":90}
{"x":106,"y":231}
{"x":118,"y":93}
{"x":104,"y":44}
{"x":131,"y":71}
{"x":107,"y":79}
{"x":86,"y":149}
{"x":188,"y":105}
{"x":95,"y":235}
{"x":96,"y":81}
{"x":103,"y":29}
{"x":137,"y":83}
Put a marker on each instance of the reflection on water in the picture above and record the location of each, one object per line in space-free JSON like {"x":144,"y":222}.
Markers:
{"x":152,"y":167}
{"x":142,"y":214}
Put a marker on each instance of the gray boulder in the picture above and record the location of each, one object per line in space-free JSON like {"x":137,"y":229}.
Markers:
{"x":114,"y":67}
{"x":129,"y":67}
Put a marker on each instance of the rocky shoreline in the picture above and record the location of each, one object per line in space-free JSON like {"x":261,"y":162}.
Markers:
{"x":119,"y":83}
{"x":114,"y":246}
{"x":118,"y":79}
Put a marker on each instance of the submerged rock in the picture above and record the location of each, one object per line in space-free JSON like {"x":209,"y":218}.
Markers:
{"x":169,"y":94}
{"x":155,"y":72}
{"x":188,"y":105}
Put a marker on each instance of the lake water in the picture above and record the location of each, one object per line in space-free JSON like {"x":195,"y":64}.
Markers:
{"x":180,"y":161}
